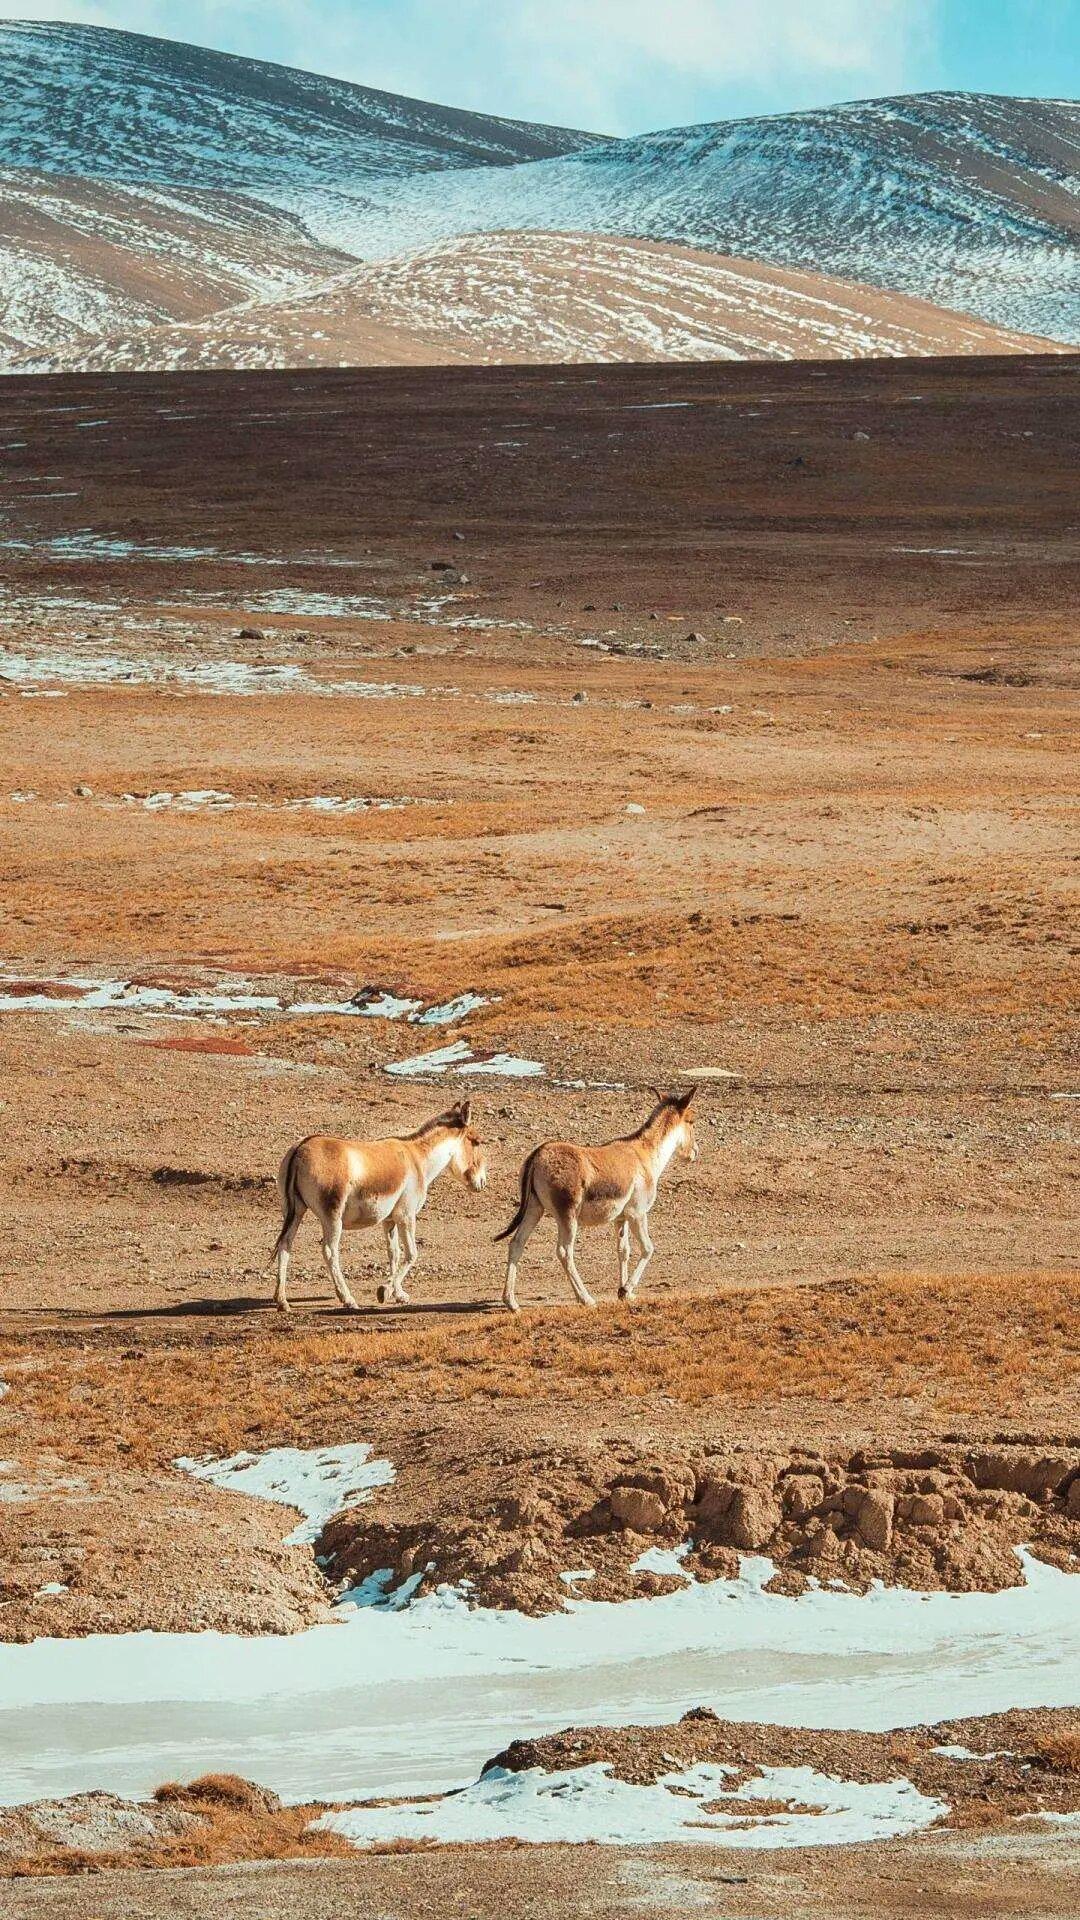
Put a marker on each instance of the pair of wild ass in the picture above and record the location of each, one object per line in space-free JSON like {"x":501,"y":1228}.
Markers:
{"x":384,"y":1183}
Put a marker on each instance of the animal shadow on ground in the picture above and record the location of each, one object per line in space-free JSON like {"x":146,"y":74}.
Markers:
{"x":214,"y":1308}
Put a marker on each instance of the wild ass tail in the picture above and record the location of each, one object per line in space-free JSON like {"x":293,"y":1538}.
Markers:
{"x":290,"y":1200}
{"x":526,"y":1193}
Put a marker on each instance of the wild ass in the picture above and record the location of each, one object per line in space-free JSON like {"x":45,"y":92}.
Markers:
{"x":372,"y":1183}
{"x":610,"y":1186}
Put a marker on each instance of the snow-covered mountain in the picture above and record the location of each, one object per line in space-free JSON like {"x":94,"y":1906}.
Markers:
{"x":969,"y":201}
{"x":148,"y":187}
{"x":100,"y":104}
{"x":82,"y":260}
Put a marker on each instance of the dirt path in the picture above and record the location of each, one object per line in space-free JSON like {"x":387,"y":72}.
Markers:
{"x":964,"y":1875}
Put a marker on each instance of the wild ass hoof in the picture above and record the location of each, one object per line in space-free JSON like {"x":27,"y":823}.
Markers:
{"x":381,"y":1296}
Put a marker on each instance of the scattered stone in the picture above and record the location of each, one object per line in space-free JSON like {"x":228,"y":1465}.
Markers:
{"x":1036,"y":1475}
{"x":252,"y":633}
{"x":803,"y":1492}
{"x":638,"y":1509}
{"x":874,"y":1518}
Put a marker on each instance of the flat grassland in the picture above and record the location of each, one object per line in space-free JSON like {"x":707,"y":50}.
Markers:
{"x":716,"y":722}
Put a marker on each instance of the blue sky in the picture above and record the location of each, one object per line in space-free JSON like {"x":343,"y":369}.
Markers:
{"x":623,"y":66}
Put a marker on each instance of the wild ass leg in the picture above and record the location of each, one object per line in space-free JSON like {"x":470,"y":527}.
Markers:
{"x":393,"y":1250}
{"x":412,"y":1255}
{"x":639,"y":1227}
{"x":623,"y":1231}
{"x":284,"y":1248}
{"x":533,"y":1215}
{"x":565,"y":1250}
{"x":332,"y":1255}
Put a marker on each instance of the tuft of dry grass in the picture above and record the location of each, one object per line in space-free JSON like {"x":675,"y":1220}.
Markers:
{"x":1058,"y":1751}
{"x":215,"y":1790}
{"x":233,"y":1820}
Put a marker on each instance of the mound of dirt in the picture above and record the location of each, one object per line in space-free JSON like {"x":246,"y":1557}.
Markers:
{"x":217,"y":1819}
{"x":511,"y":1528}
{"x":989,"y":1770}
{"x":122,"y":1549}
{"x":94,"y":1824}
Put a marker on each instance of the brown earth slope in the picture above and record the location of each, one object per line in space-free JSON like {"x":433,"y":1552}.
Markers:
{"x":79,"y":258}
{"x":560,"y":297}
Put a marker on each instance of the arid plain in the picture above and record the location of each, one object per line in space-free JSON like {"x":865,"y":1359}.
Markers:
{"x":696,"y":724}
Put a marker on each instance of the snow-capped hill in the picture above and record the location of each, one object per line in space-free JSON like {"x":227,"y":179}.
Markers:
{"x":968,"y":201}
{"x":531,"y":298}
{"x":84,"y":259}
{"x":94,"y":102}
{"x":143,"y":181}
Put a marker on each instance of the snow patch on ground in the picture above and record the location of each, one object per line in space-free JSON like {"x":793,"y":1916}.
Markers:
{"x":416,"y":1699}
{"x":590,"y":1804}
{"x":458,"y":1057}
{"x":233,"y":997}
{"x":193,"y":800}
{"x":317,"y":1481}
{"x":239,"y":678}
{"x":965,"y":1753}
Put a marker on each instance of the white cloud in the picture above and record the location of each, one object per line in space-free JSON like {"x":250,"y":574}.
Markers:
{"x":626,"y":64}
{"x":622,"y":65}
{"x":77,"y":12}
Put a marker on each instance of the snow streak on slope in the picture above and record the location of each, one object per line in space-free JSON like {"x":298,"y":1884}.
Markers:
{"x":969,"y":201}
{"x":556,"y":297}
{"x":105,"y":105}
{"x":80,"y":259}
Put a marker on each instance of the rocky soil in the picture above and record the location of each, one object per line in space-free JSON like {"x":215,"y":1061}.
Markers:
{"x":512,"y":1527}
{"x":127,"y":1551}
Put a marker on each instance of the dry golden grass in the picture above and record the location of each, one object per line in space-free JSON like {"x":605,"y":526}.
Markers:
{"x":1058,"y":1751}
{"x":956,"y":1344}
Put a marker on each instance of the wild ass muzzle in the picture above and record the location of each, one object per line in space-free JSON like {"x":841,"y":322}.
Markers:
{"x":372,"y":1183}
{"x":613,"y":1185}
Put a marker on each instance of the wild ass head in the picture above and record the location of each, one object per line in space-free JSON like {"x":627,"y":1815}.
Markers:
{"x":467,"y":1159}
{"x":676,"y":1112}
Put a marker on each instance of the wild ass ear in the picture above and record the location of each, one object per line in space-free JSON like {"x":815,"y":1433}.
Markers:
{"x":683,"y":1100}
{"x":463,"y":1112}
